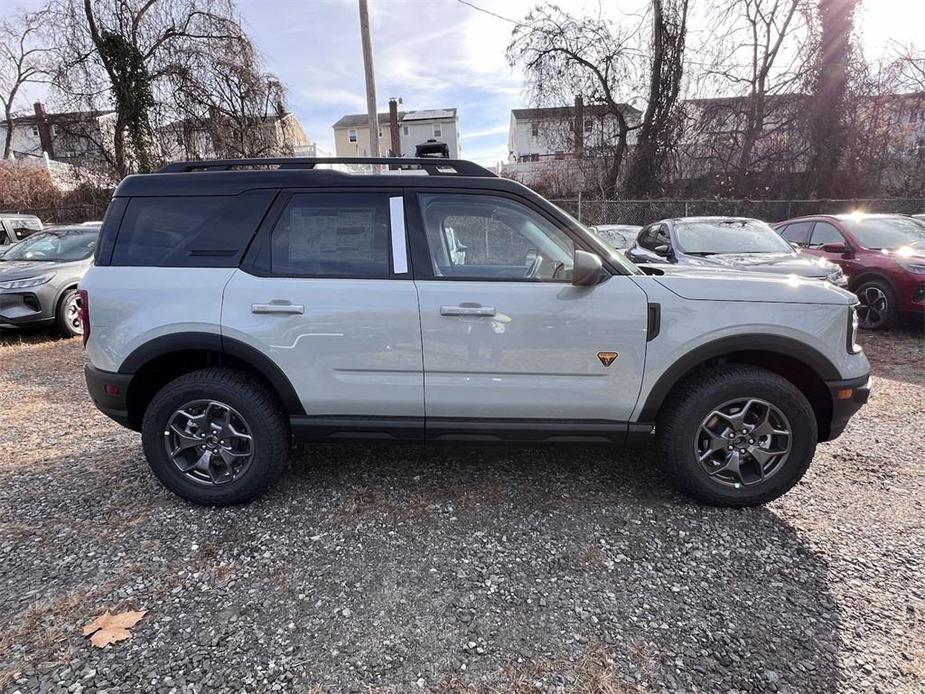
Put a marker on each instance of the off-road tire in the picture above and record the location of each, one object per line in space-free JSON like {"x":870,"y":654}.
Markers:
{"x":697,"y":396}
{"x":260,"y":407}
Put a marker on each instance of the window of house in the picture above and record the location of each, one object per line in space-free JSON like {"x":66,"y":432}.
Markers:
{"x":491,"y":238}
{"x":438,"y":130}
{"x":35,"y":130}
{"x":332,"y":235}
{"x":352,"y":135}
{"x":405,"y":129}
{"x":534,"y":129}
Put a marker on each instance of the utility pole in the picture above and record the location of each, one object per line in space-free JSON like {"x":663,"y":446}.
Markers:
{"x":370,"y":81}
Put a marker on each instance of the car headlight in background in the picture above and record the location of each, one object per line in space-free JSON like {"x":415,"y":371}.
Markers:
{"x":914,"y":268}
{"x":26,"y":282}
{"x":837,"y":277}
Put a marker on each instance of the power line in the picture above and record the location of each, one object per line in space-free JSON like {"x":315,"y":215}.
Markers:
{"x":489,"y":12}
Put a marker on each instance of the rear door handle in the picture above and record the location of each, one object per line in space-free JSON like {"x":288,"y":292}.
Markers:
{"x":467,"y":311}
{"x":277,"y":307}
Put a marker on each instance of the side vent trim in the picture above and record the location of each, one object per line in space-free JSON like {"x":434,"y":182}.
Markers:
{"x":654,"y":324}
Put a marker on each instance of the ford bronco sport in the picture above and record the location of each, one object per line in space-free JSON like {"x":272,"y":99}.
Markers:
{"x":235,"y":305}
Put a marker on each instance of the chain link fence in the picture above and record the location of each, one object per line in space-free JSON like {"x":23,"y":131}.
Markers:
{"x":70,"y":214}
{"x":643,"y":212}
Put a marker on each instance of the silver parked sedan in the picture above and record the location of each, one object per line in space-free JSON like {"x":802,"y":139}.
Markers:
{"x":39,"y":276}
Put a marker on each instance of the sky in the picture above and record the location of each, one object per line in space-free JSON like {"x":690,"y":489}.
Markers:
{"x":445,"y":53}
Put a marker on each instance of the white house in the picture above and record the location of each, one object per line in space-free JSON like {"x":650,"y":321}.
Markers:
{"x":74,"y":137}
{"x":351,"y":133}
{"x":546,"y":144}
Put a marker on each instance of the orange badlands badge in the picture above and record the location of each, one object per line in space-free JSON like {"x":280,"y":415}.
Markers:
{"x":607,"y":357}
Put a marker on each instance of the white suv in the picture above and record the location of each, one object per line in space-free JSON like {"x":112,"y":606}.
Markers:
{"x":236,"y":305}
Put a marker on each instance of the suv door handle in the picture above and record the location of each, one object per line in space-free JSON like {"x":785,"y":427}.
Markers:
{"x":467,"y":311}
{"x":274,"y":307}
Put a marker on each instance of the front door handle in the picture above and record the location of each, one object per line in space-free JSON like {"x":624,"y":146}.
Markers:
{"x":467,"y":311}
{"x":277,"y":307}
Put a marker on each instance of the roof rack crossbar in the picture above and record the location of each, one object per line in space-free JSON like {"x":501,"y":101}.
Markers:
{"x":434,"y":166}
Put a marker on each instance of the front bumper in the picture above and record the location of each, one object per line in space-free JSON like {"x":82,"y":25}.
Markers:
{"x":847,"y":398}
{"x":109,"y":392}
{"x":26,"y":308}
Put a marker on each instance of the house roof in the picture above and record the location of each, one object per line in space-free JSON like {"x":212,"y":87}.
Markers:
{"x":64,"y":117}
{"x":359,"y":120}
{"x":561,"y":112}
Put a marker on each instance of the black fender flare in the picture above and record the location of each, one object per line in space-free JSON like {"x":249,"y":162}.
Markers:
{"x":213,"y":342}
{"x":775,"y":344}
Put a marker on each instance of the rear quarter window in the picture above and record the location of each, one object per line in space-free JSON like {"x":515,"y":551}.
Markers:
{"x":189,"y":231}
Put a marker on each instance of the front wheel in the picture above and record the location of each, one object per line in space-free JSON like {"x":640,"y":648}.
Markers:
{"x":876,"y":305}
{"x":737,"y":435}
{"x":67,"y":316}
{"x":216,"y":437}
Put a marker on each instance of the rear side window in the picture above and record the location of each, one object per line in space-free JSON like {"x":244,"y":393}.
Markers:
{"x":332,"y":235}
{"x":797,"y":233}
{"x":194,"y":231}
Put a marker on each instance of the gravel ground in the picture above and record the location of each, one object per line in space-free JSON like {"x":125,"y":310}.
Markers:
{"x":457,"y":570}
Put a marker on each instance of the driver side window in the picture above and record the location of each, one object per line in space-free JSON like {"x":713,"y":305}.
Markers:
{"x":484,"y":237}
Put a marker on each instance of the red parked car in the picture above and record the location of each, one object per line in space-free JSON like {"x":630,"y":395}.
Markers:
{"x":883,"y":256}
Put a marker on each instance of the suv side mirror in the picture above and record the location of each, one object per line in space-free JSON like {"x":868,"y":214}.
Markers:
{"x":586,"y":270}
{"x":836,"y":247}
{"x":664,"y":250}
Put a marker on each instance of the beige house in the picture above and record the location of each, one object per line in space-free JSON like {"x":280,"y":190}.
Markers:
{"x":351,"y":133}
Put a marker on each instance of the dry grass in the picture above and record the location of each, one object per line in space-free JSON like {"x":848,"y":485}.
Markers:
{"x":42,"y":633}
{"x":595,"y":673}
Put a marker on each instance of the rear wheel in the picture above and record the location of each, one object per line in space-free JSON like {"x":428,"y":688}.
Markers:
{"x":216,"y":436}
{"x":877,"y":308}
{"x":67,"y":316}
{"x":737,"y":435}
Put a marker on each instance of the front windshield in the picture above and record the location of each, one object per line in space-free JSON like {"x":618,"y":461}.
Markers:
{"x":878,"y":233}
{"x":62,"y":245}
{"x":729,"y":236}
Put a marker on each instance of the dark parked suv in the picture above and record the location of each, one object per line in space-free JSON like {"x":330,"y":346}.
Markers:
{"x":883,"y":256}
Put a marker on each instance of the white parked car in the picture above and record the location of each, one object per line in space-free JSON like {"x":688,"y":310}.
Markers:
{"x":231,"y":310}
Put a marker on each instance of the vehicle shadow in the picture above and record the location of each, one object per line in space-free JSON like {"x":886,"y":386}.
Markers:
{"x":382,"y":565}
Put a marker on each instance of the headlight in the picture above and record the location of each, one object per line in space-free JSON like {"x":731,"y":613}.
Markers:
{"x":853,"y":346}
{"x":837,"y":276}
{"x":26,"y":282}
{"x":915,"y":268}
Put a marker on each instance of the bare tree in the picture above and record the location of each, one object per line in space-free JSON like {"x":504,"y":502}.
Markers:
{"x":908,"y":65}
{"x":750,"y":140}
{"x":23,"y":60}
{"x":124,"y":50}
{"x":564,"y":56}
{"x":228,"y":103}
{"x":660,"y":126}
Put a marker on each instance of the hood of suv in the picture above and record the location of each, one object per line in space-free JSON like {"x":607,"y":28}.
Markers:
{"x":718,"y":284}
{"x":780,"y":263}
{"x":21,"y":269}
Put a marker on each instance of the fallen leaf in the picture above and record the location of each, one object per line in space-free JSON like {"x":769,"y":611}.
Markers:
{"x":110,"y":628}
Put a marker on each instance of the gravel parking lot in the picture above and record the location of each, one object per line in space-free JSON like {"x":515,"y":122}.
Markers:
{"x":457,"y":570}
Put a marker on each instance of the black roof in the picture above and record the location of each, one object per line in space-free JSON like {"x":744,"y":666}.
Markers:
{"x":230,"y":177}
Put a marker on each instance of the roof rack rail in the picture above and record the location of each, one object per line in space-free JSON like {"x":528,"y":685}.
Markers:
{"x":434,"y":166}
